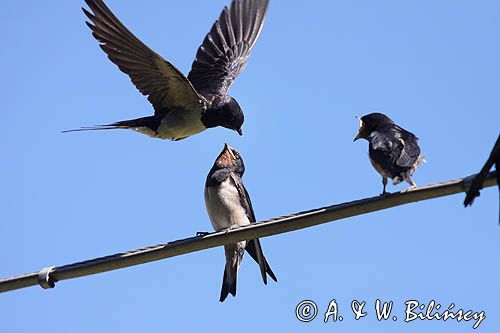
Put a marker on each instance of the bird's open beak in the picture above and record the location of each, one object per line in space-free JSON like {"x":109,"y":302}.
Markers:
{"x":239,"y":131}
{"x":228,"y":149}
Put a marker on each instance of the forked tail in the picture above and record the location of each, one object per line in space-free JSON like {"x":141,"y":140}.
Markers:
{"x":255,"y":250}
{"x":145,"y":122}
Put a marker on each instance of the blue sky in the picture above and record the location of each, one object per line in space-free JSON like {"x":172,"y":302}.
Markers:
{"x":430,"y":65}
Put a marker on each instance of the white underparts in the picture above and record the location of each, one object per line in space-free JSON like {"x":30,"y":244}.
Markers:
{"x":224,"y":207}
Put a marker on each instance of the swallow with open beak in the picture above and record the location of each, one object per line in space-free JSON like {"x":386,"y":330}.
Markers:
{"x":183,"y":106}
{"x":228,"y":205}
{"x":394,"y":152}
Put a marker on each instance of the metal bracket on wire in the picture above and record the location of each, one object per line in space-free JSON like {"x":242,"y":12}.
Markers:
{"x":44,"y":279}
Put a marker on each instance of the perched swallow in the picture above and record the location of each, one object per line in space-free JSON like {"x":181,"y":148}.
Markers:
{"x":183,"y":106}
{"x":477,"y":183}
{"x":229,"y":206}
{"x":394,"y":152}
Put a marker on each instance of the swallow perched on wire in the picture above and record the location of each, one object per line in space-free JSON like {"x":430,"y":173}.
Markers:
{"x":183,"y":106}
{"x":228,"y":205}
{"x":393,"y":151}
{"x":477,"y":183}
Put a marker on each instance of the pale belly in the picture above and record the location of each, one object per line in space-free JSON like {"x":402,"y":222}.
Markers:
{"x":180,"y":124}
{"x":224,"y":207}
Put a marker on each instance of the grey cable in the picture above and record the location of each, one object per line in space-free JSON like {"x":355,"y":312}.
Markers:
{"x":47,"y":277}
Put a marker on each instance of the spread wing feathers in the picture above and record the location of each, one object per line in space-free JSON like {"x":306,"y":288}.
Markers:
{"x":395,"y":148}
{"x":165,"y":86}
{"x":253,"y":246}
{"x":226,"y":48}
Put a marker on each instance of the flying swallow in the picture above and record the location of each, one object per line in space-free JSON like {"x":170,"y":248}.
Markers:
{"x":183,"y":106}
{"x":229,"y":206}
{"x":393,"y":151}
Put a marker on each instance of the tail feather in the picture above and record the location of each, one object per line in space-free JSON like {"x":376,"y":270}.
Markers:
{"x":148,"y":122}
{"x":255,"y":251}
{"x":234,"y":255}
{"x":228,"y":285}
{"x":94,"y":128}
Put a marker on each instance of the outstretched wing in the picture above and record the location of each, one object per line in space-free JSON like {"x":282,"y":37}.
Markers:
{"x":225,"y":50}
{"x":165,"y":86}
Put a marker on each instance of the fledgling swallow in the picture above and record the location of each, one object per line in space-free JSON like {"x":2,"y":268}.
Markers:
{"x":393,"y":151}
{"x":183,"y":106}
{"x":229,"y":206}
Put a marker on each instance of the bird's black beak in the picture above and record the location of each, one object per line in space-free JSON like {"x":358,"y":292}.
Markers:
{"x":361,"y":125}
{"x":239,"y":131}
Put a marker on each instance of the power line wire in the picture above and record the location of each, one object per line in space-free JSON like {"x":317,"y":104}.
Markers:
{"x":47,"y":277}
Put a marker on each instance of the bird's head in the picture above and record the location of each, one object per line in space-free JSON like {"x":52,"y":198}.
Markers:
{"x":372,"y":122}
{"x":229,"y":158}
{"x":231,"y":115}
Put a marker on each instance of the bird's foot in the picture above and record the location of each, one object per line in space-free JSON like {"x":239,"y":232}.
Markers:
{"x":202,"y":233}
{"x":385,"y":194}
